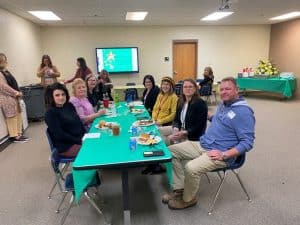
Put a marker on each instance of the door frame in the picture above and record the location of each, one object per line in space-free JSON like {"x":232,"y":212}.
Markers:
{"x":196,"y":55}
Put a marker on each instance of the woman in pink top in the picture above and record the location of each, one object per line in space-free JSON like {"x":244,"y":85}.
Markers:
{"x":82,"y":105}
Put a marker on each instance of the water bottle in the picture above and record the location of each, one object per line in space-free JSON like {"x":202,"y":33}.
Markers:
{"x":134,"y":131}
{"x":113,"y":110}
{"x":132,"y":143}
{"x":116,"y":98}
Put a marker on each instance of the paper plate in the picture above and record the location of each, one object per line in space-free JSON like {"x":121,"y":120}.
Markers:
{"x":153,"y":140}
{"x":137,"y":111}
{"x":143,"y":123}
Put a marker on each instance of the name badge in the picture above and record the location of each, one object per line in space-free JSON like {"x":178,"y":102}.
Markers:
{"x":231,"y":114}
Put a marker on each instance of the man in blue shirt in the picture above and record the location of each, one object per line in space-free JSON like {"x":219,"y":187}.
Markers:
{"x":230,"y":134}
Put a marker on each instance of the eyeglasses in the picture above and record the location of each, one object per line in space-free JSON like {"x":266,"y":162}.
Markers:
{"x":188,"y":87}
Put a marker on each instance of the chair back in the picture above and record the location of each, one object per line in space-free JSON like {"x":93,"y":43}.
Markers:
{"x":54,"y":157}
{"x":131,"y":94}
{"x":205,"y":90}
{"x":178,"y":89}
{"x":239,"y":162}
{"x":130,"y":84}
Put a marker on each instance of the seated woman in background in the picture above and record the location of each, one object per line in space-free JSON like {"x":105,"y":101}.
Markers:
{"x":82,"y":105}
{"x":93,"y":93}
{"x":191,"y":116}
{"x":81,"y":72}
{"x":64,"y":125}
{"x":47,"y":71}
{"x":150,"y":93}
{"x":105,"y":84}
{"x":164,"y":109}
{"x":208,"y":78}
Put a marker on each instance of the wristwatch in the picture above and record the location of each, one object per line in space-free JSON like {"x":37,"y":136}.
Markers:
{"x":224,"y":156}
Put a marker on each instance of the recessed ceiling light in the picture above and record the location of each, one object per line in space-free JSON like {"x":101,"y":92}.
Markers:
{"x":216,"y":16}
{"x":136,"y":15}
{"x":286,"y":16}
{"x":45,"y":15}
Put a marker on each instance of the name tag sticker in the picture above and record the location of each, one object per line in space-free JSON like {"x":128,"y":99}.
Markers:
{"x":231,"y":114}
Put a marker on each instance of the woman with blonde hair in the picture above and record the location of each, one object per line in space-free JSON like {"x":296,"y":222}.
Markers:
{"x":82,"y":105}
{"x":164,"y":109}
{"x":10,"y":95}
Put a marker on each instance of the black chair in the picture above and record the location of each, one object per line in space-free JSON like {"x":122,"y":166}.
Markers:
{"x":178,"y":88}
{"x":206,"y":92}
{"x":130,"y":84}
{"x":238,"y":163}
{"x":131,"y":94}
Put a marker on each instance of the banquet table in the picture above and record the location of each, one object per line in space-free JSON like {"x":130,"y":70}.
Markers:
{"x":285,"y":87}
{"x":109,"y":151}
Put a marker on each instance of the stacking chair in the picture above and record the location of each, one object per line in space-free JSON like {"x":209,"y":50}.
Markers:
{"x":64,"y":161}
{"x":239,"y":162}
{"x":206,"y":92}
{"x":69,"y":188}
{"x":178,"y":89}
{"x":131,"y":94}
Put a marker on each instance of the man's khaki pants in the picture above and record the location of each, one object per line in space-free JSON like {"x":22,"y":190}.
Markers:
{"x":190,"y":161}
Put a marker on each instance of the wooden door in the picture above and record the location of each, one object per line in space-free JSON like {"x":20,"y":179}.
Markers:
{"x":184,"y":60}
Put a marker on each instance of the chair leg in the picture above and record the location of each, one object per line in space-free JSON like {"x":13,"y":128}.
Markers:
{"x":217,"y":194}
{"x":208,"y":180}
{"x":52,"y":189}
{"x":242,"y":184}
{"x":63,"y":219}
{"x":61,"y":201}
{"x":92,"y":202}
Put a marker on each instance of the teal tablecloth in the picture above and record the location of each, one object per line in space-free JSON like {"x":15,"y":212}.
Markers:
{"x":286,"y":87}
{"x":113,"y":151}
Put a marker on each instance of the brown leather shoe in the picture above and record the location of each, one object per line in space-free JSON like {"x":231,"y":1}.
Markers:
{"x":180,"y":204}
{"x":173,"y":195}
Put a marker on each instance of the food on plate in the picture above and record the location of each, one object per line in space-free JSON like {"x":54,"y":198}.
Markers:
{"x":144,"y":137}
{"x":101,"y":124}
{"x":136,"y":110}
{"x":144,"y":122}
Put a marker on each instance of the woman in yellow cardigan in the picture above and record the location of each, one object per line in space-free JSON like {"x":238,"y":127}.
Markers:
{"x":163,"y":114}
{"x":164,"y":110}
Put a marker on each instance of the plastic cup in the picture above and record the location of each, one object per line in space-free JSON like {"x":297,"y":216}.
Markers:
{"x":116,"y":129}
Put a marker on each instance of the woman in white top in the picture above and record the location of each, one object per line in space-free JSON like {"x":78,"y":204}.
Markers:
{"x":47,"y":71}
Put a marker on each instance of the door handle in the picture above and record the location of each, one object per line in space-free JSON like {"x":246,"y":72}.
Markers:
{"x":174,"y":72}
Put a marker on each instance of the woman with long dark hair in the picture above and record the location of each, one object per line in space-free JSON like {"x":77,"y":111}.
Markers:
{"x":64,"y":124}
{"x":47,"y":71}
{"x":82,"y":70}
{"x":150,"y":93}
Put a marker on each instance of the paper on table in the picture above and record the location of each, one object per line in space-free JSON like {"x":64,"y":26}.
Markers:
{"x":91,"y":135}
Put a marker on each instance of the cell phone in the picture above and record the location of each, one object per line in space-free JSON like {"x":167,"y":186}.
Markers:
{"x":154,"y":153}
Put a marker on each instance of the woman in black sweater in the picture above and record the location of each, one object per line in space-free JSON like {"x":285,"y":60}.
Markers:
{"x":64,"y":125}
{"x":150,"y":93}
{"x":191,"y":116}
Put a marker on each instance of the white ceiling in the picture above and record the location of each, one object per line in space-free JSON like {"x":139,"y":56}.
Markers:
{"x":161,"y":12}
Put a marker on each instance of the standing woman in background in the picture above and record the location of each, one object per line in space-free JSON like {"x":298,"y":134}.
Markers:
{"x":208,"y":76}
{"x":10,"y":95}
{"x":150,"y":93}
{"x":81,"y":72}
{"x":47,"y":71}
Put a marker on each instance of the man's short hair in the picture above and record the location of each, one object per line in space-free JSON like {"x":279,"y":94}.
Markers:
{"x":230,"y":79}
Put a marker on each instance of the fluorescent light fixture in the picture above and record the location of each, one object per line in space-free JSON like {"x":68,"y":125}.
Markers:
{"x":216,"y":16}
{"x":136,"y":15}
{"x":45,"y":15}
{"x":286,"y":16}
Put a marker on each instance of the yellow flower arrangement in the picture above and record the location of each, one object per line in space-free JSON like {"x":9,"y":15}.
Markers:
{"x":267,"y":68}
